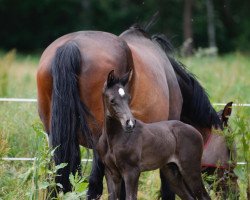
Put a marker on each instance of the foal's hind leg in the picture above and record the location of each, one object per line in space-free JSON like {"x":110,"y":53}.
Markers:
{"x":191,"y":172}
{"x":176,"y":181}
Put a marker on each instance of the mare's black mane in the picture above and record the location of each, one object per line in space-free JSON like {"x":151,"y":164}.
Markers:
{"x":197,"y":109}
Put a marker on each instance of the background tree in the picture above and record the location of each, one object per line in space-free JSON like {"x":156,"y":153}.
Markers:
{"x":211,"y":25}
{"x":31,"y":25}
{"x":187,"y":27}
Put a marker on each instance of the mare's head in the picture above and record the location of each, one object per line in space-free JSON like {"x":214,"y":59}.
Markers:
{"x":116,"y":100}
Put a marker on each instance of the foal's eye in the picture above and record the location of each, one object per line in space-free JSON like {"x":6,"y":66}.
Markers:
{"x":112,"y":101}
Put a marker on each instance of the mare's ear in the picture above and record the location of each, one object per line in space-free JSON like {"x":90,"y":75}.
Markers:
{"x":111,"y":79}
{"x":127,"y":77}
{"x":226,"y":113}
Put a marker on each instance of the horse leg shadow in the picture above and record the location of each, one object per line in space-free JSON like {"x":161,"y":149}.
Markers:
{"x":123,"y":191}
{"x":166,"y":192}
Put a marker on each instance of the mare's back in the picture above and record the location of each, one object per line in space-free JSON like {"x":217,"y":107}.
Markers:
{"x":98,"y":49}
{"x":155,"y":76}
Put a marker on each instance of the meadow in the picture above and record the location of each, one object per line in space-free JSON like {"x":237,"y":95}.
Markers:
{"x":226,"y":78}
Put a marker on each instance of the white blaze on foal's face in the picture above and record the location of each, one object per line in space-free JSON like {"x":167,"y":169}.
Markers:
{"x":121,"y":92}
{"x":130,"y":123}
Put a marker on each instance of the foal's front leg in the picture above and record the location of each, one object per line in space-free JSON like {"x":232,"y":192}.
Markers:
{"x":114,"y":184}
{"x":131,"y":179}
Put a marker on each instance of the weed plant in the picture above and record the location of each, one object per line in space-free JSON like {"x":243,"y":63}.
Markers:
{"x":225,"y":79}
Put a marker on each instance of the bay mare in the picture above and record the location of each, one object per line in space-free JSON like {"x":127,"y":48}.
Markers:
{"x":129,"y":146}
{"x":70,"y":77}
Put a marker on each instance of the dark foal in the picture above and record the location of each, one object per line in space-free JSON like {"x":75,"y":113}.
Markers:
{"x":128,"y":147}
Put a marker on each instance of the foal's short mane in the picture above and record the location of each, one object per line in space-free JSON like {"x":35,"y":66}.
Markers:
{"x":197,"y":109}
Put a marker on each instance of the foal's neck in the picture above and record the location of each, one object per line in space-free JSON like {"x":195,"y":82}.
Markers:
{"x":112,"y":126}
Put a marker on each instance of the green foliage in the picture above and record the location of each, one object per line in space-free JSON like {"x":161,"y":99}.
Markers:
{"x":32,"y":25}
{"x":41,"y":176}
{"x":3,"y":146}
{"x":5,"y":64}
{"x":242,"y":130}
{"x":225,"y":78}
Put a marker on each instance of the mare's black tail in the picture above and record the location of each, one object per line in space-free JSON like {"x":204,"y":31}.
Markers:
{"x":69,"y":115}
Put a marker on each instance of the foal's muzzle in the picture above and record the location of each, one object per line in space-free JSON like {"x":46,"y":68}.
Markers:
{"x":130,"y":125}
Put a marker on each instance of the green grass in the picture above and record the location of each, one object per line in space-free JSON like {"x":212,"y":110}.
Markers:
{"x":225,"y":79}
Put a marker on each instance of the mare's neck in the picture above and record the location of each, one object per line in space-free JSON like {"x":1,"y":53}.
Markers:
{"x":205,"y":132}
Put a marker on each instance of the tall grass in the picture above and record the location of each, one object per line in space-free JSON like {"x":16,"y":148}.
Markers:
{"x":5,"y":64}
{"x":225,"y":79}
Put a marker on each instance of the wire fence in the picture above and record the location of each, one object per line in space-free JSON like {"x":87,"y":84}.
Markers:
{"x":27,"y":100}
{"x":83,"y":160}
{"x":33,"y":159}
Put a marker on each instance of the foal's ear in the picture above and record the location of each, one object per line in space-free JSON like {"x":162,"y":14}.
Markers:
{"x":127,"y":77}
{"x":226,"y":113}
{"x":111,"y":78}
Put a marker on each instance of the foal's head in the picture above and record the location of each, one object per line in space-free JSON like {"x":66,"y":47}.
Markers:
{"x":116,"y":100}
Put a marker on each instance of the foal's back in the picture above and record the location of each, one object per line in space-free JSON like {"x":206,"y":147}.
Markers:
{"x":167,"y":141}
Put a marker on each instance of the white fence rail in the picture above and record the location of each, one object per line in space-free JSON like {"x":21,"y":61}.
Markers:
{"x":83,"y":160}
{"x":33,"y":159}
{"x":35,"y":100}
{"x":17,"y":100}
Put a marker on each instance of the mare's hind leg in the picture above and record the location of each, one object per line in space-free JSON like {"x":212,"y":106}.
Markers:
{"x":175,"y":179}
{"x":96,"y":179}
{"x":166,"y":192}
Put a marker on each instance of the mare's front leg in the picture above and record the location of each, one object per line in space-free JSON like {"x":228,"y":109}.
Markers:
{"x":131,"y":179}
{"x":96,"y":179}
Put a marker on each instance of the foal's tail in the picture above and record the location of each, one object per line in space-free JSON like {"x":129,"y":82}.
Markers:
{"x":69,"y":114}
